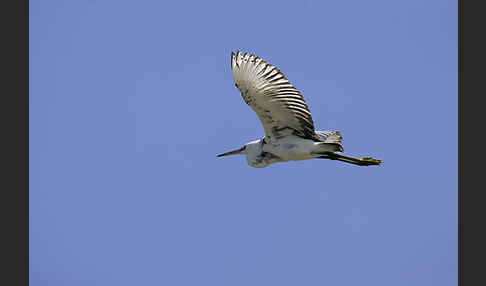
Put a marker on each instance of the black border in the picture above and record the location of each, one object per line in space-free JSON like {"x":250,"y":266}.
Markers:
{"x":471,"y":74}
{"x":14,"y":105}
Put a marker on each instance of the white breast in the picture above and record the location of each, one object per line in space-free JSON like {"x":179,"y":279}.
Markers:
{"x":291,"y":148}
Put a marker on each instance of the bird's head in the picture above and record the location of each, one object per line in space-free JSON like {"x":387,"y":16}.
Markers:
{"x":251,"y":148}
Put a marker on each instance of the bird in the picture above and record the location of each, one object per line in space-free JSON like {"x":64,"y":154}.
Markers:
{"x":289,"y":129}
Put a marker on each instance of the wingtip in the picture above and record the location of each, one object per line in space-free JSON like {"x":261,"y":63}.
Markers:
{"x":246,"y":56}
{"x":239,"y":54}
{"x":234,"y":58}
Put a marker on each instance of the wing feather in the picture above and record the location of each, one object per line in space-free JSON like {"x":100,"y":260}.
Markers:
{"x":279,"y":105}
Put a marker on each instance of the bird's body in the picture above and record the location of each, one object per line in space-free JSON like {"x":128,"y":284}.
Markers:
{"x":288,"y":124}
{"x":292,"y":148}
{"x":289,"y":148}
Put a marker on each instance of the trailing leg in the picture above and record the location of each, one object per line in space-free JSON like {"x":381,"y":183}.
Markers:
{"x":368,"y":161}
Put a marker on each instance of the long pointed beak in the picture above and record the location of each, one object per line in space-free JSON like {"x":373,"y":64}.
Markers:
{"x":234,"y":152}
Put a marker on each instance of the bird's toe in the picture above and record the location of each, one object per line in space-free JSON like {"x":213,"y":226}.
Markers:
{"x":371,"y":161}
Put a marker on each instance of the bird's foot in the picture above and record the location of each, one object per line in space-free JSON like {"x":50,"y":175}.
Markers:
{"x":370,"y":161}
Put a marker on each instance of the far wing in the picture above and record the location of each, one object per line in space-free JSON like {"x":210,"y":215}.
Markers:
{"x":279,"y":105}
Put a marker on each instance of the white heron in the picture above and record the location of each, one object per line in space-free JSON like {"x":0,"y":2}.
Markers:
{"x":283,"y":112}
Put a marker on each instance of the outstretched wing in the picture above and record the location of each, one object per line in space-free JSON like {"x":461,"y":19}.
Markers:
{"x":279,"y":105}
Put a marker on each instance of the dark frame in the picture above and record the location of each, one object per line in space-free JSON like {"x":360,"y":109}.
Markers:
{"x":14,"y":102}
{"x":470,"y":76}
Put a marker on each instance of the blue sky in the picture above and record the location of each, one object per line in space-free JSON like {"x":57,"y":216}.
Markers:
{"x":130,"y":101}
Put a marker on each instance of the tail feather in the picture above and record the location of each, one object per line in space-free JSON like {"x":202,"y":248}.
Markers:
{"x":331,"y":137}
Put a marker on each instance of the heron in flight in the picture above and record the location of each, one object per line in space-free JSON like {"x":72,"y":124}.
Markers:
{"x":283,"y":112}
